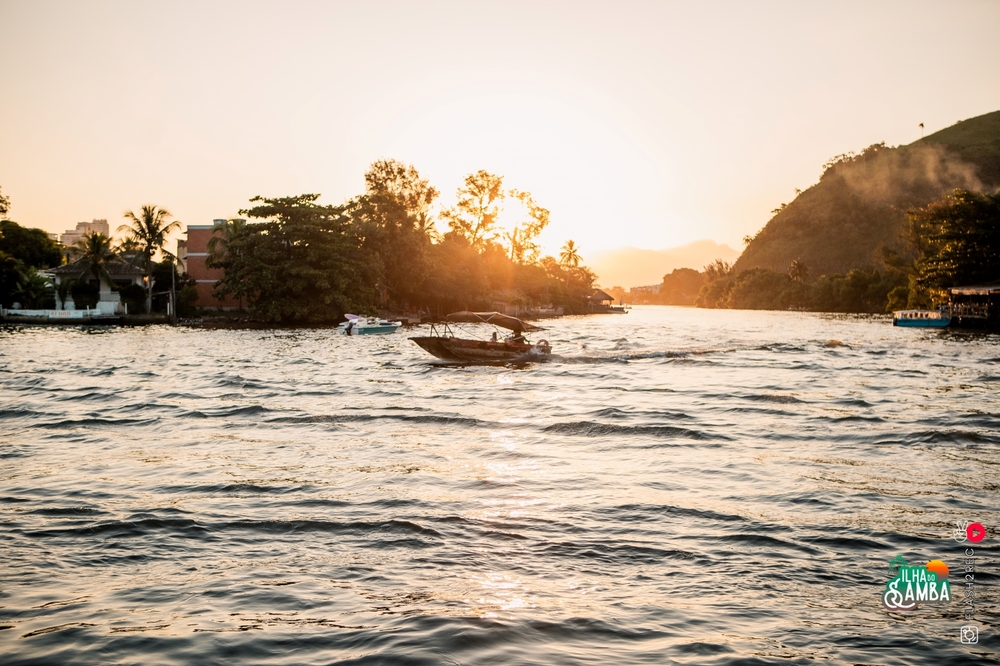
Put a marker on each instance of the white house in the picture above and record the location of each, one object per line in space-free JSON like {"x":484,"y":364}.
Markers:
{"x":122,"y":274}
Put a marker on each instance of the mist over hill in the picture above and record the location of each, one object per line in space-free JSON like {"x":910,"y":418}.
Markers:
{"x":861,"y":200}
{"x":630,"y":267}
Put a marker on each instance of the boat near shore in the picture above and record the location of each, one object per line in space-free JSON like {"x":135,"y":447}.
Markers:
{"x":362,"y":325}
{"x":512,"y":348}
{"x":922,"y":318}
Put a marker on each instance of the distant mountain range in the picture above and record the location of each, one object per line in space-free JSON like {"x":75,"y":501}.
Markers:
{"x":860,"y":201}
{"x":633,"y":267}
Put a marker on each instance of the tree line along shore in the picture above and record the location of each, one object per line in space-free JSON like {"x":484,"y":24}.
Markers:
{"x":952,"y":242}
{"x":883,"y":229}
{"x":291,"y":260}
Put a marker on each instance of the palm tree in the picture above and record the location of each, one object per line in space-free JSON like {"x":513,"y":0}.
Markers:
{"x":717,"y":270}
{"x":63,"y":290}
{"x":798,"y":271}
{"x":94,"y":252}
{"x":220,"y":245}
{"x":569,"y":256}
{"x":149,"y":231}
{"x":31,"y":289}
{"x":222,"y":237}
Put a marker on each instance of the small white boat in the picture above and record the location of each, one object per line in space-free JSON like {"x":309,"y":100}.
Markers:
{"x":363,"y":325}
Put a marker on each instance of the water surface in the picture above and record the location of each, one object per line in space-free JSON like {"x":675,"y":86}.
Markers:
{"x":674,"y":486}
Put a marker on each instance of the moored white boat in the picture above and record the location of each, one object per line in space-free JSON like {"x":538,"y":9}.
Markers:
{"x":363,"y":325}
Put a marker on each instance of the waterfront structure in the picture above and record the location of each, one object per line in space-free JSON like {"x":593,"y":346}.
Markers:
{"x":601,"y":302}
{"x":122,"y":274}
{"x":195,"y":263}
{"x":976,"y":306}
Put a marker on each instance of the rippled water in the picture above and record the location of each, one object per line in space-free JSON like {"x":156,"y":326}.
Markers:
{"x":674,"y":486}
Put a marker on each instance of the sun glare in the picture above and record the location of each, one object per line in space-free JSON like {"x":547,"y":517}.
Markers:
{"x":571,"y":155}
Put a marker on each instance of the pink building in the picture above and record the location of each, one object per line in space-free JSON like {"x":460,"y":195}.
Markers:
{"x":195,"y":258}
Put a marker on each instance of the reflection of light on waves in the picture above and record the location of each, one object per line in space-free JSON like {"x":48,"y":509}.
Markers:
{"x":501,"y":592}
{"x":492,"y":593}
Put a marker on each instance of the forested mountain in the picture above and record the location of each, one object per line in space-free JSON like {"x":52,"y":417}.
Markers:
{"x":861,"y":200}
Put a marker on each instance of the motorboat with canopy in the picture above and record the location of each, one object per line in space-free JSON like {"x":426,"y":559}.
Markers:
{"x":444,"y":344}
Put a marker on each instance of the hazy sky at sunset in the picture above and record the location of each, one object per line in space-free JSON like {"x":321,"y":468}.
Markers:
{"x":650,"y":124}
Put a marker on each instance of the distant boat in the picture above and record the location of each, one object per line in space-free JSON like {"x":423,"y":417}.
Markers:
{"x":443,"y":343}
{"x":921,"y":318}
{"x":362,"y":325}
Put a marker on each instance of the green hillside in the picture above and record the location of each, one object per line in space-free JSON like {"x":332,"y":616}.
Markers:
{"x":861,"y":200}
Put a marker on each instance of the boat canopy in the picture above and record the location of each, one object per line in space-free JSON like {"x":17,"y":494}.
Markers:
{"x":495,"y":318}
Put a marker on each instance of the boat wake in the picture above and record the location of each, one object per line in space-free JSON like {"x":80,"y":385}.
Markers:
{"x":624,"y":356}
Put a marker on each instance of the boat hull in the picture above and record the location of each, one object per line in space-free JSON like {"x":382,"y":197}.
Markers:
{"x":373,"y":330}
{"x":368,"y":326}
{"x":478,"y":351}
{"x":922,"y":323}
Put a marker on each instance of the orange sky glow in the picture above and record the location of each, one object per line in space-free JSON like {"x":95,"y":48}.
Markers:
{"x":646,"y":124}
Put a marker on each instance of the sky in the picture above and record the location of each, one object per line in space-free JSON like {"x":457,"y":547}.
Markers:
{"x":644,"y":124}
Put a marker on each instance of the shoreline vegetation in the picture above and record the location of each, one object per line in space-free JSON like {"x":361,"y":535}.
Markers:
{"x":885,"y":229}
{"x":951,"y":242}
{"x":294,"y":261}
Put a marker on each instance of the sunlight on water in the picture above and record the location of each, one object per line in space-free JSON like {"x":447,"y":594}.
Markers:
{"x":673,"y":486}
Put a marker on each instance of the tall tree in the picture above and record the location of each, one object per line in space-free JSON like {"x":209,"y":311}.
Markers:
{"x":474,"y":215}
{"x":718,"y":270}
{"x":95,"y":254}
{"x":33,"y":289}
{"x":393,"y":220}
{"x":959,"y":240}
{"x":798,"y":271}
{"x":222,"y":244}
{"x":225,"y":246}
{"x":522,"y":238}
{"x":33,"y":247}
{"x":402,"y":183}
{"x":149,"y":230}
{"x":570,"y":255}
{"x":303,"y":263}
{"x":4,"y":205}
{"x":11,"y":271}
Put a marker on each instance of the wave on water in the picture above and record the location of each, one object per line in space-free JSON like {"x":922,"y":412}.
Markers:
{"x":592,"y":356}
{"x":596,"y":429}
{"x":379,"y":417}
